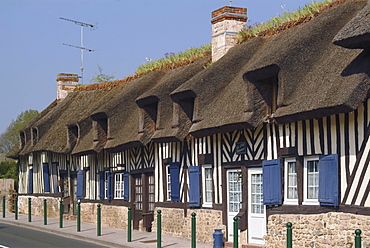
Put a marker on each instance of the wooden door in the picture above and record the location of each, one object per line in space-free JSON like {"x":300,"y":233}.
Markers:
{"x":143,"y":196}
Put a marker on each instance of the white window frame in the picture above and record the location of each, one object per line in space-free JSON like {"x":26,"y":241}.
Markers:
{"x":168,"y":182}
{"x":106,"y":184}
{"x":87,"y":183}
{"x":307,"y":201}
{"x":118,"y":185}
{"x":289,"y":201}
{"x":208,"y":204}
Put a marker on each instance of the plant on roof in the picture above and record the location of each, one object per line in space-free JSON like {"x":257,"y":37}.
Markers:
{"x":286,"y":19}
{"x":100,"y":78}
{"x":172,"y":61}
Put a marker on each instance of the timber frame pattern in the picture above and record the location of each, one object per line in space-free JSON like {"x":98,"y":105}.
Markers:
{"x":300,"y":96}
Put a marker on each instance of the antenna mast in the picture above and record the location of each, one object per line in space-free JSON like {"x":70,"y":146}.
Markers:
{"x":82,"y":48}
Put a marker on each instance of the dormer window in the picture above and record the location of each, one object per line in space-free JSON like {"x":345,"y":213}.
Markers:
{"x":22,"y":137}
{"x":100,"y":126}
{"x":73,"y":134}
{"x":149,"y":113}
{"x":35,"y":136}
{"x":185,"y":105}
{"x":270,"y":93}
{"x":266,"y":82}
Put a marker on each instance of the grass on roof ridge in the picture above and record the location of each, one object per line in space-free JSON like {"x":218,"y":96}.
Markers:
{"x":273,"y":26}
{"x":287,"y":19}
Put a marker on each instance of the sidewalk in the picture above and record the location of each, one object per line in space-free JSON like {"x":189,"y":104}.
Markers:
{"x":111,"y":237}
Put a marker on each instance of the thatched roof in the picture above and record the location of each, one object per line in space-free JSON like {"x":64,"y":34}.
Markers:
{"x":356,"y":33}
{"x":316,"y":78}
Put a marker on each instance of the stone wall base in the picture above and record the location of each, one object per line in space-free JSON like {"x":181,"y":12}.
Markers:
{"x":176,"y":223}
{"x":112,"y":216}
{"x":326,"y":230}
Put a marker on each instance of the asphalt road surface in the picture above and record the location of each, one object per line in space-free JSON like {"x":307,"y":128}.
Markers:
{"x":12,"y":236}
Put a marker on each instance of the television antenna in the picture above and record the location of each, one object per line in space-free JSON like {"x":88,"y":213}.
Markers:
{"x":81,"y":47}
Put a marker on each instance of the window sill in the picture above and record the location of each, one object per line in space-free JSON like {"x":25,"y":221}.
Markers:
{"x":311,"y":202}
{"x":207,"y":205}
{"x":291,"y":202}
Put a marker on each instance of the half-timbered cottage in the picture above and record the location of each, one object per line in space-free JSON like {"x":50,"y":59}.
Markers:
{"x":276,"y":130}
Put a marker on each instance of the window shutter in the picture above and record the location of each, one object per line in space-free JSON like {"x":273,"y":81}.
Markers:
{"x":194,"y":186}
{"x":101,"y":185}
{"x":272,"y":182}
{"x":110,"y":186}
{"x":175,"y":182}
{"x":80,"y":184}
{"x":329,"y":180}
{"x":126,"y":185}
{"x":30,"y":181}
{"x":45,"y":170}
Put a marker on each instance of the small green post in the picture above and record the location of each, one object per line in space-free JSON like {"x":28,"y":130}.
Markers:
{"x":99,"y":221}
{"x":29,"y":209}
{"x":4,"y":206}
{"x":289,"y":243}
{"x":193,"y":231}
{"x":60,"y":214}
{"x":129,"y":227}
{"x":78,"y":216}
{"x":358,"y":238}
{"x":16,"y":208}
{"x":159,"y":229}
{"x":236,"y":233}
{"x":45,"y":213}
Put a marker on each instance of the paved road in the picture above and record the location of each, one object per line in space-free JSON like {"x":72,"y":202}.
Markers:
{"x":13,"y":236}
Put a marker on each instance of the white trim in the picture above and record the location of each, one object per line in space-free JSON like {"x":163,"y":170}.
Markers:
{"x":118,"y":186}
{"x":288,"y":201}
{"x":307,"y":201}
{"x":208,"y":204}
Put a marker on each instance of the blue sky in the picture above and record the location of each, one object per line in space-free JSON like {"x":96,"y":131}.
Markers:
{"x":32,"y":36}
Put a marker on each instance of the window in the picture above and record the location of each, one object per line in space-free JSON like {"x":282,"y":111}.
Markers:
{"x":173,"y":181}
{"x":119,"y":186}
{"x":35,"y":136}
{"x":256,"y":194}
{"x":311,"y":181}
{"x":168,"y":176}
{"x":105,"y":185}
{"x":320,"y":181}
{"x":87,"y":183}
{"x":149,"y":113}
{"x":22,"y":136}
{"x":72,"y":135}
{"x":207,"y":179}
{"x":291,"y":182}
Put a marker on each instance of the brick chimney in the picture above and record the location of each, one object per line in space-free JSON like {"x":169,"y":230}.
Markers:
{"x":226,"y":24}
{"x":66,"y":83}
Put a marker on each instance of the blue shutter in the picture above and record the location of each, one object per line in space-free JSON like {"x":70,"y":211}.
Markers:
{"x":175,"y":182}
{"x":101,"y":185}
{"x":329,"y":180}
{"x":126,"y":185}
{"x":30,"y":181}
{"x":80,"y":184}
{"x":110,"y":186}
{"x":45,"y":170}
{"x":194,"y":186}
{"x":272,"y":182}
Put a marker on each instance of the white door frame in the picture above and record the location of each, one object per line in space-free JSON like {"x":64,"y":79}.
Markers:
{"x":237,"y":197}
{"x":256,"y":214}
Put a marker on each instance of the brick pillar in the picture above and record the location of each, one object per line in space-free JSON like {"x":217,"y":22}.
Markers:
{"x":65,"y":83}
{"x":226,"y":23}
